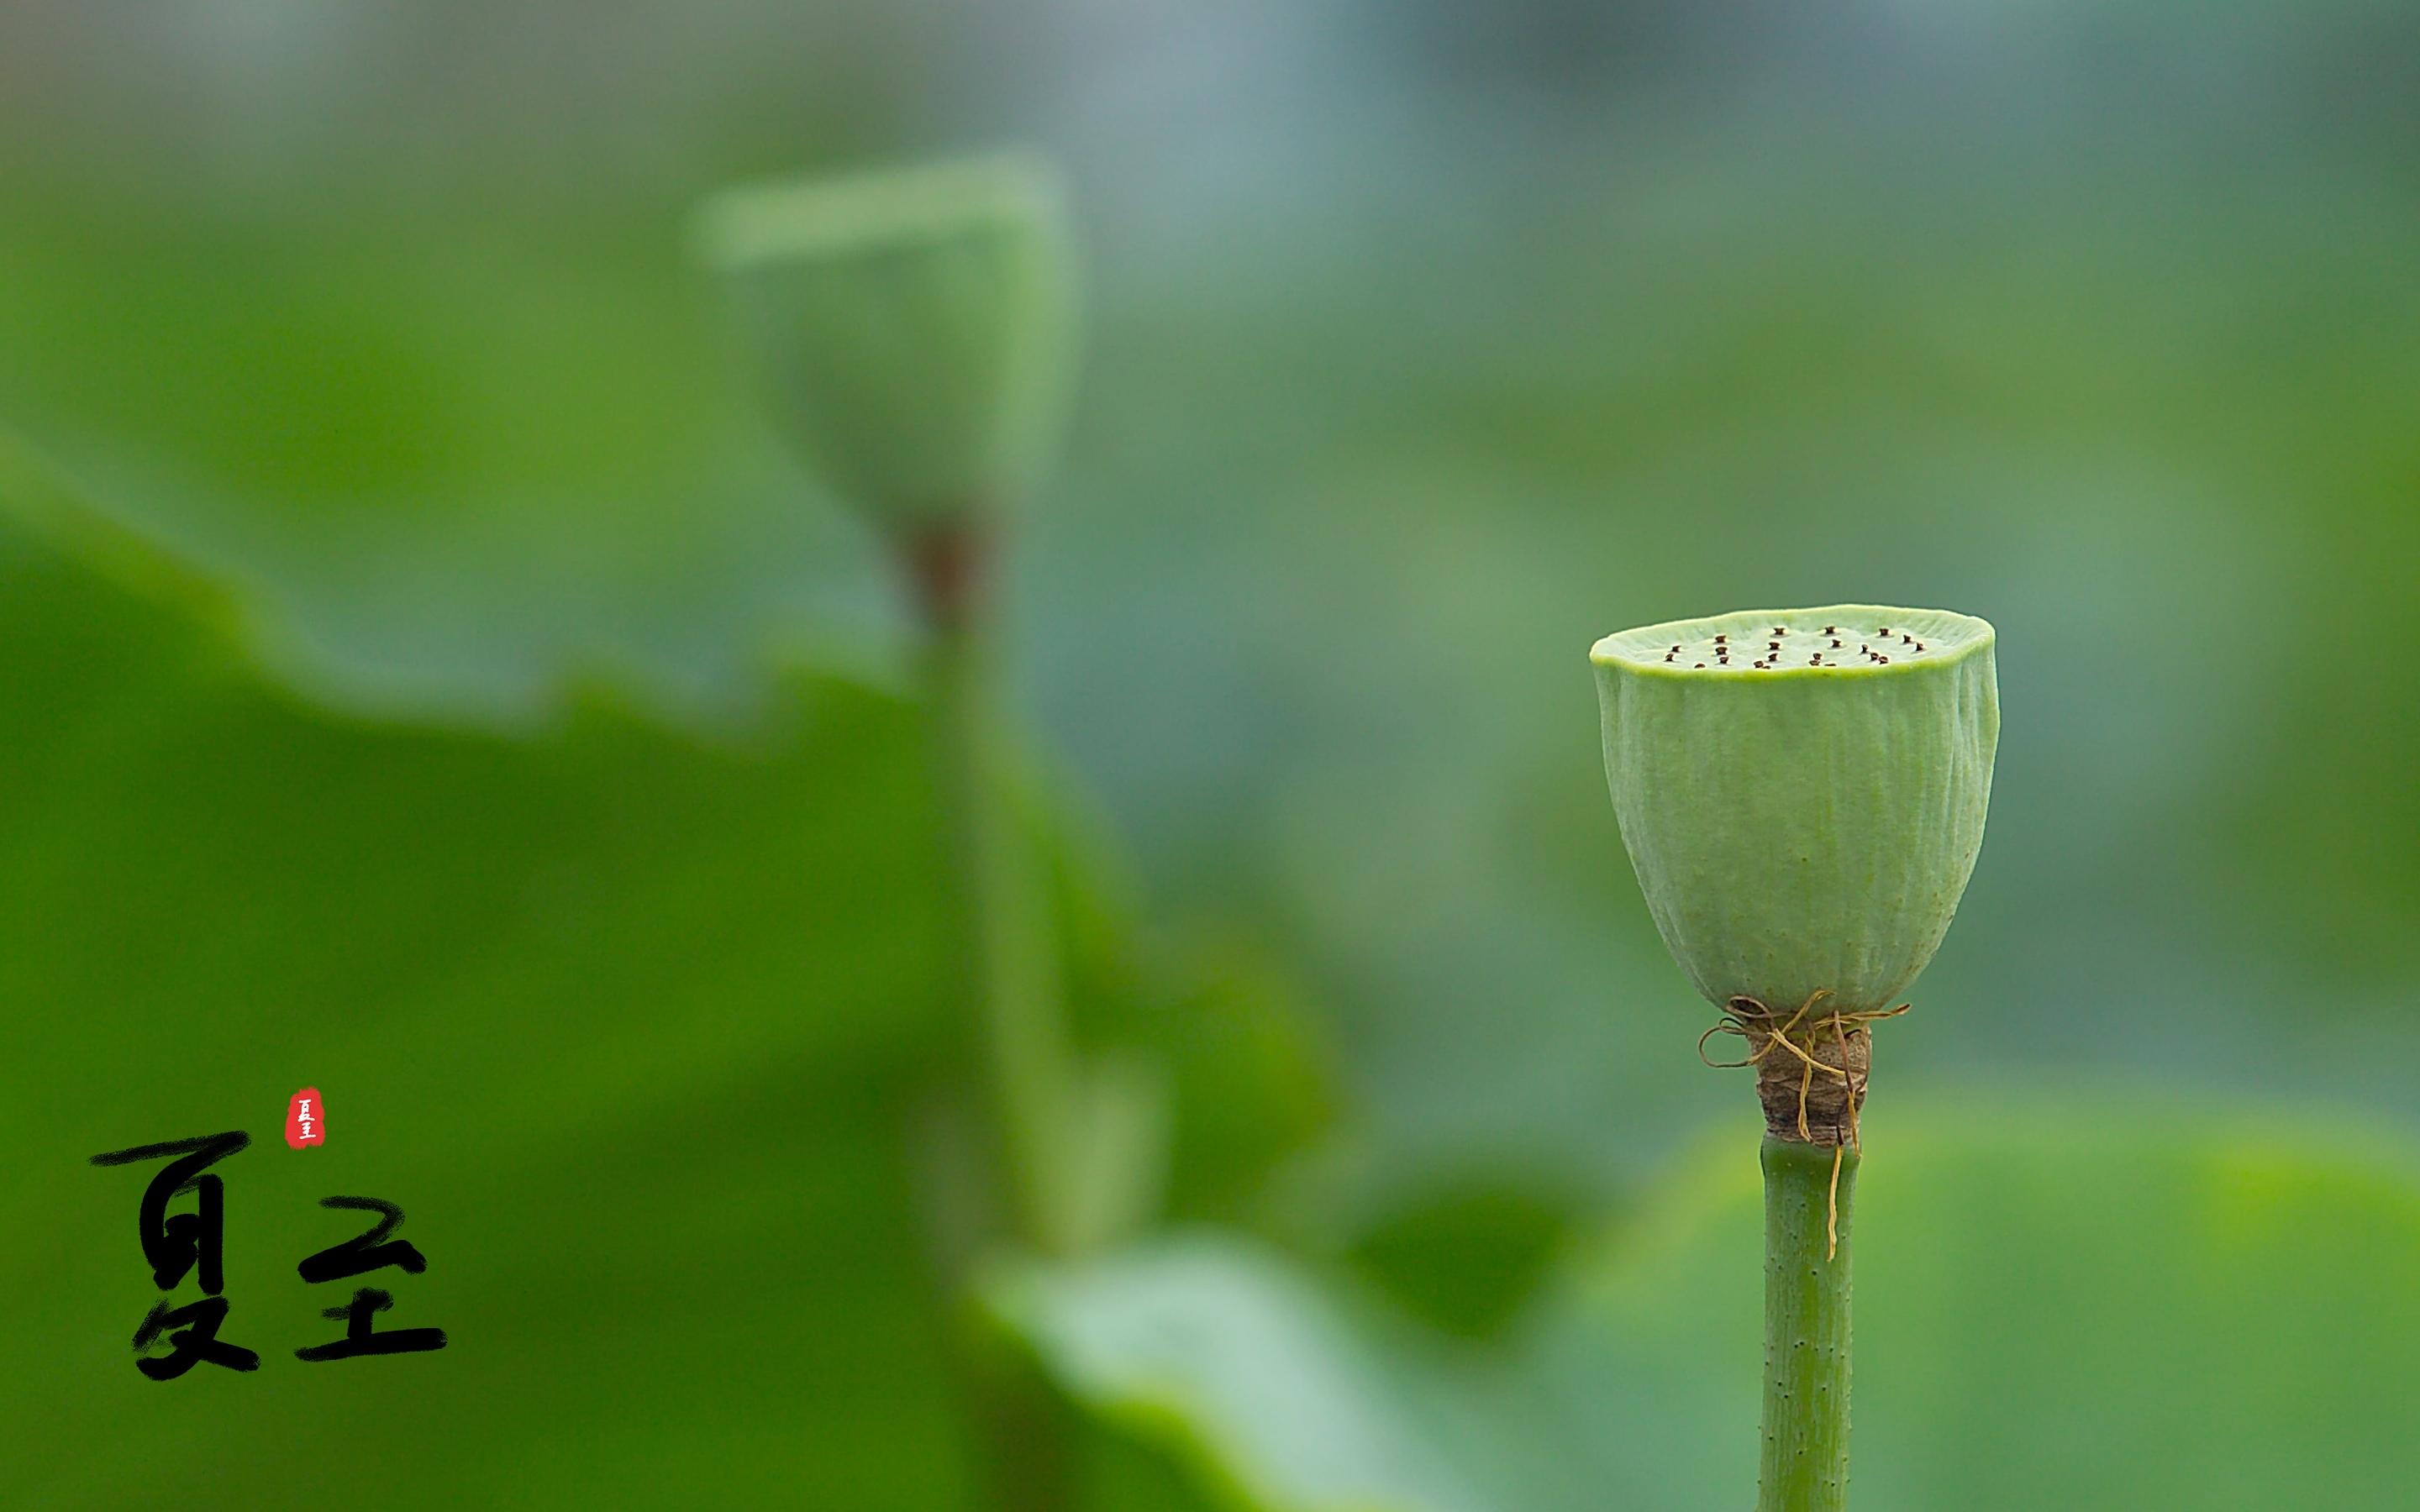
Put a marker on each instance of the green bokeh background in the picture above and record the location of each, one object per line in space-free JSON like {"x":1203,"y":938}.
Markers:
{"x":425,"y":677}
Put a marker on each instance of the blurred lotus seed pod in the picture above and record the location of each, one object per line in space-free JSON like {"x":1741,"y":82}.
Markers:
{"x":915,"y":326}
{"x":1802,"y":791}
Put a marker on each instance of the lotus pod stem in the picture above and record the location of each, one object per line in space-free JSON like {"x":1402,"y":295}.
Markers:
{"x":1808,"y":1202}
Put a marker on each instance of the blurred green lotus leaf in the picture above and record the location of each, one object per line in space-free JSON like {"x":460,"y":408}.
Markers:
{"x":637,"y":1023}
{"x":915,"y":325}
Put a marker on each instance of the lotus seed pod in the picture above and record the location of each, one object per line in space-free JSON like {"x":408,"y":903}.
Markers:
{"x":915,"y":326}
{"x":1802,"y":791}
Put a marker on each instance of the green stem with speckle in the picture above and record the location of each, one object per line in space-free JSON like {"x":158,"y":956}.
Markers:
{"x":1806,"y":1459}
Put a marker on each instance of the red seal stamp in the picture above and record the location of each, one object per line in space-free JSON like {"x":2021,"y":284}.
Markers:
{"x":306,"y":1121}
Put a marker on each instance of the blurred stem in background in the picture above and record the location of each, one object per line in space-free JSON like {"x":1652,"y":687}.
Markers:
{"x":915,"y":329}
{"x":1804,"y":1465}
{"x":1015,"y":1002}
{"x":1002,"y":905}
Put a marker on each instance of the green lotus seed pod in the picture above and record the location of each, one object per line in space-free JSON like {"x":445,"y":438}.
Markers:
{"x":1802,"y":791}
{"x":916,"y":326}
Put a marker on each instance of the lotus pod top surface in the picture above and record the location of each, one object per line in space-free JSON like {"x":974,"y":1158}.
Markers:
{"x":916,"y":324}
{"x":1802,"y":791}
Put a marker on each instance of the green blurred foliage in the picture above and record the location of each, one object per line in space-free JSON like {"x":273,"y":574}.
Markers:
{"x":2059,"y":1307}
